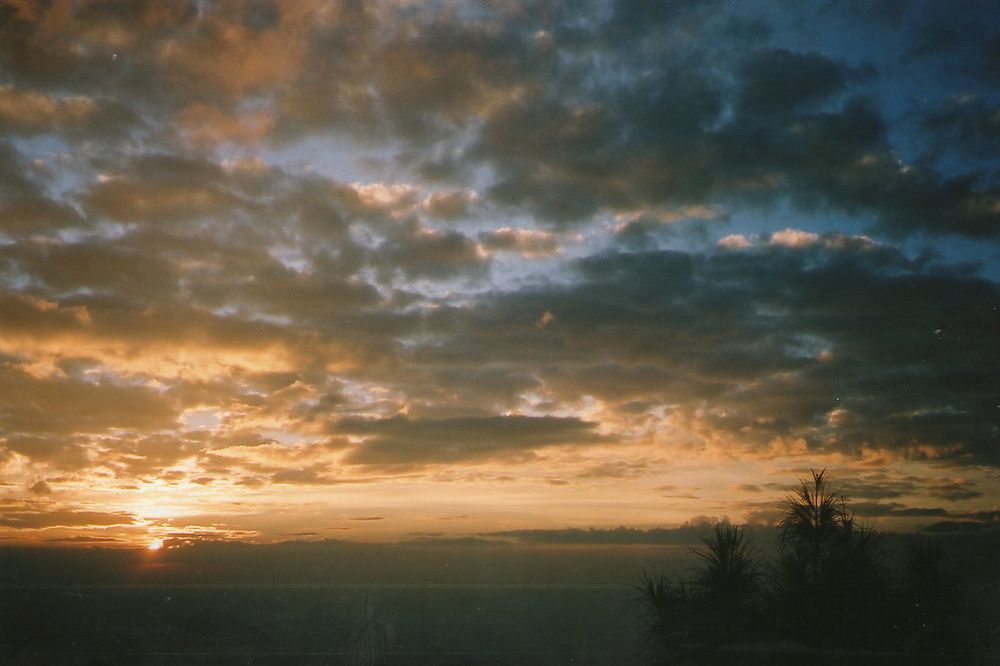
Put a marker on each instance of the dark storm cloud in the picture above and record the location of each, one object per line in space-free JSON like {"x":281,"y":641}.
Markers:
{"x":403,"y":441}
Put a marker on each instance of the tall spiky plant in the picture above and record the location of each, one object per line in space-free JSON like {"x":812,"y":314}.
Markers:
{"x":668,"y":610}
{"x":829,"y":581}
{"x":727,"y":583}
{"x":814,"y":515}
{"x":729,"y":568}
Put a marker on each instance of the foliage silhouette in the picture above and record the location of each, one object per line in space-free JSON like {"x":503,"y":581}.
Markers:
{"x":828,"y":587}
{"x":931,"y":599}
{"x":668,"y":604}
{"x":727,"y":582}
{"x":829,"y":584}
{"x":718,"y":606}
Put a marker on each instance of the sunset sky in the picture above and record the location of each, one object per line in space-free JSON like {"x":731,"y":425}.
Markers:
{"x":377,"y":270}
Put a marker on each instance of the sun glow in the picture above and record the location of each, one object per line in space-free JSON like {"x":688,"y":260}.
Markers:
{"x":155,"y":544}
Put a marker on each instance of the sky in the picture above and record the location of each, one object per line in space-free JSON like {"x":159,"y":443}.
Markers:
{"x":393,"y":270}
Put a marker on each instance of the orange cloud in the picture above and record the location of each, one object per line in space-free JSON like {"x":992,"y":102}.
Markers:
{"x":206,"y":125}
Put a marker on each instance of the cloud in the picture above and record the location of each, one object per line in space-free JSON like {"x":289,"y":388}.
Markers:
{"x":689,"y":533}
{"x":795,"y":333}
{"x":428,"y":253}
{"x":896,"y":510}
{"x":955,"y":491}
{"x":201,"y":124}
{"x":80,"y":538}
{"x":316,"y":474}
{"x":564,"y":139}
{"x":449,"y":205}
{"x":528,"y":242}
{"x":161,"y":189}
{"x":29,"y":112}
{"x":26,"y":207}
{"x":979,"y":521}
{"x":67,"y":406}
{"x":782,"y":81}
{"x":26,"y":518}
{"x":793,"y":238}
{"x":253,"y":247}
{"x":966,"y":125}
{"x":614,"y":470}
{"x":402,"y":441}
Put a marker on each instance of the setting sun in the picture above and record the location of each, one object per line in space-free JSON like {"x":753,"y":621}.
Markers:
{"x":155,"y":544}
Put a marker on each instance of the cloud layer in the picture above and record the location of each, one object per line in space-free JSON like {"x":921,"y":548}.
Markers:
{"x":544,"y":251}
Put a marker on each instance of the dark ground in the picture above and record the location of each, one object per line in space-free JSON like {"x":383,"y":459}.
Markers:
{"x":343,"y":603}
{"x":322,"y":604}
